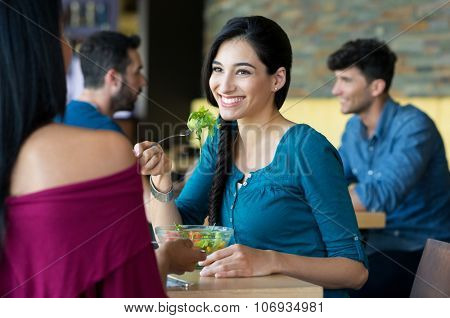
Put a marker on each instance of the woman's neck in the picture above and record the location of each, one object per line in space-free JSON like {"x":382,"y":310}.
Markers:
{"x":257,"y":141}
{"x":255,"y":130}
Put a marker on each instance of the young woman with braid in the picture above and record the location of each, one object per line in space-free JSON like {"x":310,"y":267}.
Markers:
{"x":279,"y":185}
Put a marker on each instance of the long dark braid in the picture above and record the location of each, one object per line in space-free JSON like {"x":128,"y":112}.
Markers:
{"x":223,"y":165}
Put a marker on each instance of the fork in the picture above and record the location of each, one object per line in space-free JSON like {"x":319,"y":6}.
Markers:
{"x":185,"y":133}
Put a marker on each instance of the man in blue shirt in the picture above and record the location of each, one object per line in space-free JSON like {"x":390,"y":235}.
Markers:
{"x":394,"y":161}
{"x":111,"y":67}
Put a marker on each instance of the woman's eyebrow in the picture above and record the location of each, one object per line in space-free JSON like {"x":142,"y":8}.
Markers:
{"x":245,"y":64}
{"x":237,"y":64}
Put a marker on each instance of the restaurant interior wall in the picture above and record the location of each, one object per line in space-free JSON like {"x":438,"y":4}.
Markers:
{"x":174,"y":62}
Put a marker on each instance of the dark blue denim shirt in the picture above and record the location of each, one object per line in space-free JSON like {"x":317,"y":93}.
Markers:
{"x":402,"y":170}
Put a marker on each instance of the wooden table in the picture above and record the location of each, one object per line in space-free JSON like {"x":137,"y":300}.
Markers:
{"x":371,"y":220}
{"x":273,"y":286}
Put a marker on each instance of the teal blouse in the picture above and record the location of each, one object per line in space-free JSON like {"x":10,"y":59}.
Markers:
{"x":298,"y":204}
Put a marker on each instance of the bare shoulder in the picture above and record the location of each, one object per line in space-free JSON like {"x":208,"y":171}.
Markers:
{"x":56,"y":155}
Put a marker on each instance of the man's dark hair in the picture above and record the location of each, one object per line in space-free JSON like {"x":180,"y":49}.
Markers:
{"x":103,"y":51}
{"x":372,"y":57}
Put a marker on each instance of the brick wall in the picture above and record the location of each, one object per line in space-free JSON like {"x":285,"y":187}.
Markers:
{"x":318,"y":27}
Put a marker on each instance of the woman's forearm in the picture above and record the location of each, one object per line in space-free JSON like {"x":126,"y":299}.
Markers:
{"x":163,"y":213}
{"x":163,"y":264}
{"x":328,"y":272}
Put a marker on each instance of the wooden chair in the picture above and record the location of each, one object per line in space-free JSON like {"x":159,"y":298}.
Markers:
{"x":433,"y":275}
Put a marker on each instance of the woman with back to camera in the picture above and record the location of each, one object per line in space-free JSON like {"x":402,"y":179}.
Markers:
{"x":278,"y":184}
{"x":71,"y":223}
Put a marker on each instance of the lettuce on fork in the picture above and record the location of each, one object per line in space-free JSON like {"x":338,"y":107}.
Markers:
{"x":200,"y":120}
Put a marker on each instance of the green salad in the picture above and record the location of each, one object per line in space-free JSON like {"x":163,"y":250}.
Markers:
{"x":201,"y":120}
{"x":209,"y":240}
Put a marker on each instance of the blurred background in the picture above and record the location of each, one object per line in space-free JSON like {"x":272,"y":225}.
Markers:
{"x":177,"y":33}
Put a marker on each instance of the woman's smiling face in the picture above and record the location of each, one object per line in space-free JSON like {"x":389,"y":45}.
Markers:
{"x":239,"y":81}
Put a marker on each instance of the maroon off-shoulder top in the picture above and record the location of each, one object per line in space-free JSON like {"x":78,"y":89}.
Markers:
{"x":88,"y":239}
